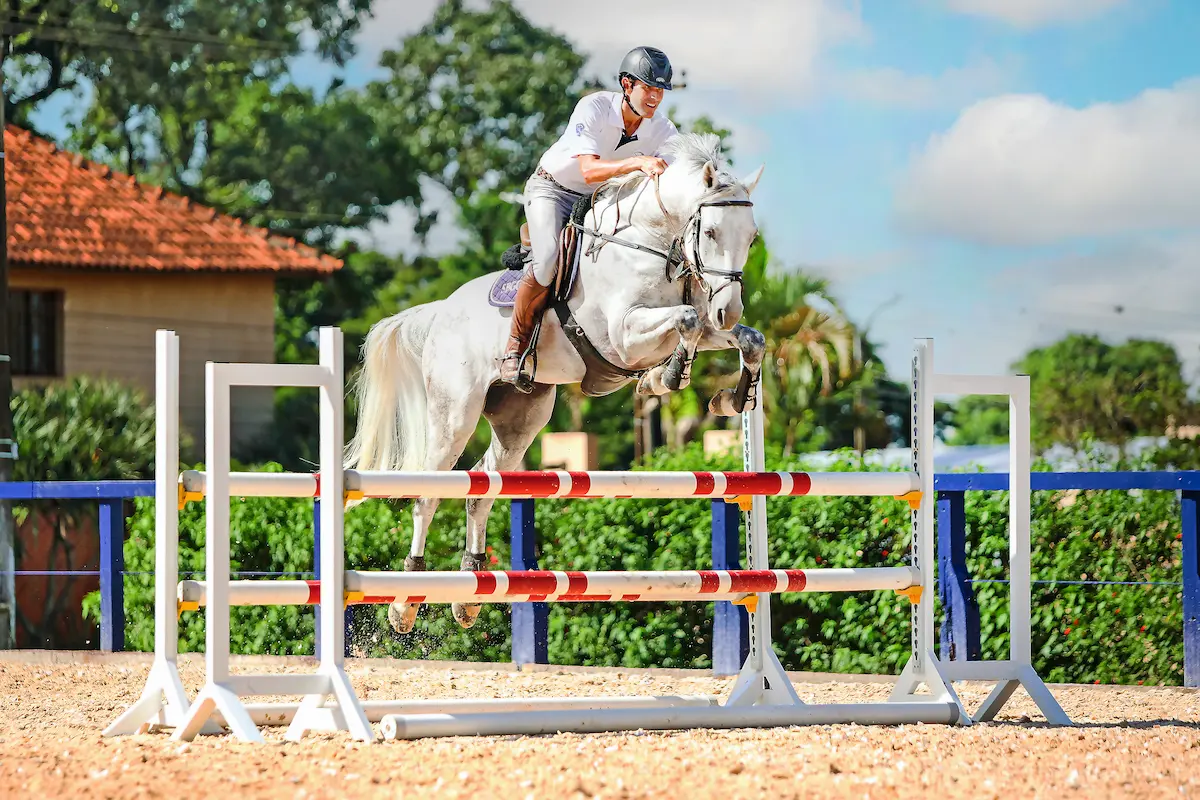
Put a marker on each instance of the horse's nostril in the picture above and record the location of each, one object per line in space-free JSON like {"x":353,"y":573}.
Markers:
{"x":721,"y":318}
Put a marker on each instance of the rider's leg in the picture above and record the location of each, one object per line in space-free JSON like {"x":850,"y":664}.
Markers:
{"x":546,"y":210}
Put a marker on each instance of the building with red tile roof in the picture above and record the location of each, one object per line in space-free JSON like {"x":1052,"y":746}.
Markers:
{"x":99,"y":261}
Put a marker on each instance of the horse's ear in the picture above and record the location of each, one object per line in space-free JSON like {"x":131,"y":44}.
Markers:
{"x":751,"y":180}
{"x":709,"y":176}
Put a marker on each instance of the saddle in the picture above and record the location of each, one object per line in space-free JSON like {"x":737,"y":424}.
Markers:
{"x":517,"y":258}
{"x":601,"y":377}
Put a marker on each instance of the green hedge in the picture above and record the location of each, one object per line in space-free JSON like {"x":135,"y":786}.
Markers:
{"x":1119,"y":634}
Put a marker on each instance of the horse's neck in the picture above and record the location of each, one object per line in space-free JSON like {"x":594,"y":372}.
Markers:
{"x":636,"y":216}
{"x":616,"y":276}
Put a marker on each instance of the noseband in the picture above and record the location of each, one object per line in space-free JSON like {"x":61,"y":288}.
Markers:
{"x":696,"y":269}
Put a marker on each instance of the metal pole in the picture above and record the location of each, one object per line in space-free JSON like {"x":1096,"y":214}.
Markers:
{"x":8,"y":449}
{"x":530,"y":621}
{"x":112,"y":575}
{"x":731,"y":623}
{"x":1189,"y":502}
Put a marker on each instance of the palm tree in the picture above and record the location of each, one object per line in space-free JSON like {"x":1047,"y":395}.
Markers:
{"x":810,"y":348}
{"x":810,"y":352}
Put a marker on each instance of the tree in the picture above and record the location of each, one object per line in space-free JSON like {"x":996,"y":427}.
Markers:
{"x":308,"y":168}
{"x":810,"y":349}
{"x":1084,"y":388}
{"x":979,"y":420}
{"x":142,"y":58}
{"x":480,"y":94}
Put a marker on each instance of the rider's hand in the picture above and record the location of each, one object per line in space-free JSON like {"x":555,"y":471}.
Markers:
{"x":651,"y":165}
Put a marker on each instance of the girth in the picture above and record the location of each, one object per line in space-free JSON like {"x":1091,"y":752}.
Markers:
{"x":601,"y":376}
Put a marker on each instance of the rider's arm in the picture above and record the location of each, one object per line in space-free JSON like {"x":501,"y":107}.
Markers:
{"x":597,"y":170}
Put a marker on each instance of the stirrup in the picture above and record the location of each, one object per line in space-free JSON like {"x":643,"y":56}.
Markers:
{"x":520,"y":381}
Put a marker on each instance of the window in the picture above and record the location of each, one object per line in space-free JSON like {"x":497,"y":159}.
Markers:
{"x":35,"y":332}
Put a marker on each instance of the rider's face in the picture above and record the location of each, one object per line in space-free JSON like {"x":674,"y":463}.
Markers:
{"x":644,"y":98}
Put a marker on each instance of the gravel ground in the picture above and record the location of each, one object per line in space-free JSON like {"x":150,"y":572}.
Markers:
{"x":1127,"y":742}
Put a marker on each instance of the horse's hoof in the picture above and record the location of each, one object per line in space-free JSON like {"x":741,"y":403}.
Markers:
{"x":723,"y":404}
{"x":465,"y":614}
{"x":403,"y":616}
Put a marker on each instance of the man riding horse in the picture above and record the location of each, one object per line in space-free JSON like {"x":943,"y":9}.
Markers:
{"x":609,"y":134}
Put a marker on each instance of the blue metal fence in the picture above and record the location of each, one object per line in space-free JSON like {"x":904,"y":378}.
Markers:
{"x":960,"y":636}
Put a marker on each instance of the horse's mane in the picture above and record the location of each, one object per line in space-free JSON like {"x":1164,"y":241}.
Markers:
{"x":690,"y":150}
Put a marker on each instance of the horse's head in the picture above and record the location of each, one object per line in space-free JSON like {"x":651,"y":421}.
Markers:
{"x":714,"y":220}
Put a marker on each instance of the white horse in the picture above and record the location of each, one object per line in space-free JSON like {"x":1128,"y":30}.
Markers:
{"x":659,"y":277}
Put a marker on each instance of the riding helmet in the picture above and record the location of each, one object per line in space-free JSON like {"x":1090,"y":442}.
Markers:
{"x":649,"y":65}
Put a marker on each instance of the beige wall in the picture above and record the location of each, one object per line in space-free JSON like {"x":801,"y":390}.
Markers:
{"x":109,"y":320}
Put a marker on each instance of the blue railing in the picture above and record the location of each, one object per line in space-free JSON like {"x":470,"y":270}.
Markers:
{"x":960,"y":636}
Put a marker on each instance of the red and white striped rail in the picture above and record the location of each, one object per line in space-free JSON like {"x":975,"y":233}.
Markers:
{"x":516,"y":586}
{"x":546,"y":483}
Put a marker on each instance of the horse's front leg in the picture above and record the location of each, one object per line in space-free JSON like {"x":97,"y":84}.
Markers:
{"x":644,"y":330}
{"x":753,"y":347}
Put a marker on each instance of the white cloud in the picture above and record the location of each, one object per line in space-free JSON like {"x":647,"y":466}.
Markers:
{"x":1145,"y":288}
{"x":1034,"y":13}
{"x":735,"y":57}
{"x":953,"y":88}
{"x":392,"y":20}
{"x":757,"y":49}
{"x":1021,"y":169}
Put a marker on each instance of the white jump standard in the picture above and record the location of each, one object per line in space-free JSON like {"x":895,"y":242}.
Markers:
{"x":762,"y":694}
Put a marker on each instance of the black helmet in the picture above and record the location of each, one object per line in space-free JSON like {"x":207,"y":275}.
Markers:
{"x":649,"y":65}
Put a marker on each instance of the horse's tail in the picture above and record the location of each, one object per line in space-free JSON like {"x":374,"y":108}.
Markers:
{"x":391,"y":398}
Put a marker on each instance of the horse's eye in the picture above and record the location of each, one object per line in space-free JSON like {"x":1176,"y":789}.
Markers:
{"x":710,"y":233}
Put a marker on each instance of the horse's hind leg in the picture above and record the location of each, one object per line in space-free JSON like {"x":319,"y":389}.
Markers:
{"x":453,"y":412}
{"x":516,"y":420}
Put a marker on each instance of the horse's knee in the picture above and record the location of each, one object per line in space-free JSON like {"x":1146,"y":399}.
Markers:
{"x":690,"y":325}
{"x":751,"y":342}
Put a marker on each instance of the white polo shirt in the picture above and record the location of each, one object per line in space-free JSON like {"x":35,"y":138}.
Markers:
{"x":596,"y":128}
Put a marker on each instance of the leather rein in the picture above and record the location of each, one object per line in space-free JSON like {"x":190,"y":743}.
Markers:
{"x":676,"y":254}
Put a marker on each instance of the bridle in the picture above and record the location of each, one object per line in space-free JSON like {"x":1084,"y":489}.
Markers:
{"x":676,"y":254}
{"x":696,"y":269}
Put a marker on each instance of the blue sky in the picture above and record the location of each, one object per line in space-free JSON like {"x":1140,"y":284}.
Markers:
{"x":991,"y":173}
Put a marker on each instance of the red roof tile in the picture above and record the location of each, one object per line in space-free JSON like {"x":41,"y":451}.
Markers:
{"x":67,"y":211}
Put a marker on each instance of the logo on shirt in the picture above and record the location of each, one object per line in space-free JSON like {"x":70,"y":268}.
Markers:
{"x":579,"y":129}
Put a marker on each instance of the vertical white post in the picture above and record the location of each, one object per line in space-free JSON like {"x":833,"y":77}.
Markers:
{"x":923,"y":666}
{"x":163,"y":701}
{"x":1019,"y":671}
{"x":217,"y":695}
{"x":166,"y":483}
{"x":757,"y":556}
{"x":333,"y":630}
{"x":1020,"y":596}
{"x":923,"y":556}
{"x":313,"y":713}
{"x":762,"y":679}
{"x":216,"y":517}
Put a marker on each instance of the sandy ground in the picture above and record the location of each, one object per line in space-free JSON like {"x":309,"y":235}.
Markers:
{"x":1127,"y":742}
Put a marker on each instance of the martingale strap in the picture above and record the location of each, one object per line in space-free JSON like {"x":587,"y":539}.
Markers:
{"x":601,"y":376}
